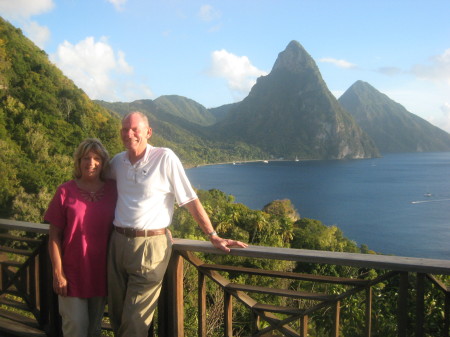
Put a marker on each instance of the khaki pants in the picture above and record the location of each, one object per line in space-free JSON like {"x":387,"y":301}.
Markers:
{"x":81,"y":317}
{"x":136,"y":267}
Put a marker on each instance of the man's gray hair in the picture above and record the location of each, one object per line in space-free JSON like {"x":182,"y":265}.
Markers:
{"x":142,"y":115}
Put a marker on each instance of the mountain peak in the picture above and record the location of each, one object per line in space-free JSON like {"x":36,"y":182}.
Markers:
{"x":294,"y":58}
{"x":389,"y":124}
{"x":361,"y":87}
{"x":291,"y":113}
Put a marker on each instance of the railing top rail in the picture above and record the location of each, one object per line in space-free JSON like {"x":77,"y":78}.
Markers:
{"x":397,"y":263}
{"x":24,"y":226}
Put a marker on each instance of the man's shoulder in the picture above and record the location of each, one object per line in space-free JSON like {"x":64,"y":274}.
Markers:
{"x":118,"y":156}
{"x":163,"y":151}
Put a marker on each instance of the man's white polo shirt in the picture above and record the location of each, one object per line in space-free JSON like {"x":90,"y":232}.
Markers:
{"x":147,"y":190}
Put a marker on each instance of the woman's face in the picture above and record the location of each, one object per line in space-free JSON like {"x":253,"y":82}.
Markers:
{"x":91,"y":165}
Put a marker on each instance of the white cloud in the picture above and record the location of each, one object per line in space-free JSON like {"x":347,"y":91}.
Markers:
{"x":24,"y":9}
{"x":438,"y":70}
{"x":37,"y":33}
{"x":208,"y":13}
{"x":240,"y":74}
{"x":446,"y":109}
{"x":338,"y":63}
{"x":443,"y":120}
{"x":98,"y":70}
{"x":118,"y":4}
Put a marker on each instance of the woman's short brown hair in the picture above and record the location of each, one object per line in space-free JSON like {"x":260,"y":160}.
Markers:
{"x":96,"y":146}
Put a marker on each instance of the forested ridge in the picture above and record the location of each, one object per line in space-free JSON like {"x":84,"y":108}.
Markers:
{"x":43,"y":118}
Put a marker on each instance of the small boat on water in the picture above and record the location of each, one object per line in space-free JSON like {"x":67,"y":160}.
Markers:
{"x":265,"y":161}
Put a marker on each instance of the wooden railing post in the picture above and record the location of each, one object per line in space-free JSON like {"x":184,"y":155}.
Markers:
{"x":368,"y":311}
{"x":255,"y":322}
{"x":420,"y":304}
{"x":447,"y":314}
{"x":48,"y":300}
{"x":201,"y":305}
{"x":175,"y":301}
{"x":337,"y":317}
{"x":304,"y":326}
{"x":403,"y":305}
{"x":228,"y":314}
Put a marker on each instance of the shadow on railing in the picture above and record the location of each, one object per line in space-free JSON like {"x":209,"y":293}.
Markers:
{"x":208,"y":293}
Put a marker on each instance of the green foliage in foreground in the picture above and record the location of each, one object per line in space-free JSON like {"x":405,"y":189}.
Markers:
{"x":279,"y":225}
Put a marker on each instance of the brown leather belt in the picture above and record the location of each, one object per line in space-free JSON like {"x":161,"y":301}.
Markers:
{"x":134,"y":233}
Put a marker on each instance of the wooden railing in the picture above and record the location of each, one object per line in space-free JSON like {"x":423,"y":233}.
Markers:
{"x":406,"y":278}
{"x":28,"y":306}
{"x":285,"y":303}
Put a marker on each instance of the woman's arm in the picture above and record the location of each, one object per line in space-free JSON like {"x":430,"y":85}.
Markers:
{"x":54,"y":247}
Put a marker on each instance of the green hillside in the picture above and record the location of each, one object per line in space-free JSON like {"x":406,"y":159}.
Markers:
{"x":43,"y":117}
{"x":185,"y":108}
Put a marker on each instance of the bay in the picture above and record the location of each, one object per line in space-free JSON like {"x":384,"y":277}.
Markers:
{"x":398,"y":204}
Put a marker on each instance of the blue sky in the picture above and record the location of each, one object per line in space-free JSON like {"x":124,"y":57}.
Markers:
{"x":213,"y":51}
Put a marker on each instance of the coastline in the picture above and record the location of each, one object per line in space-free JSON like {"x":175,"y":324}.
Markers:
{"x":239,"y":162}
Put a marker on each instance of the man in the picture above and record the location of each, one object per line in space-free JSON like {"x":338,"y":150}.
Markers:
{"x":149,"y":180}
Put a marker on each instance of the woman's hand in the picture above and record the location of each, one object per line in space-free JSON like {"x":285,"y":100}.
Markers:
{"x":60,"y":285}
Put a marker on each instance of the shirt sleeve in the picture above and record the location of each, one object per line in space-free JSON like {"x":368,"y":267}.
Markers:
{"x":55,"y":213}
{"x":184,"y":193}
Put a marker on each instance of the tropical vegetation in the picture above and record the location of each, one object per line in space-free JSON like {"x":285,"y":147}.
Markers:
{"x":44,"y":116}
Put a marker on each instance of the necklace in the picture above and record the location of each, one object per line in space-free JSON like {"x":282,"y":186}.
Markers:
{"x":91,"y":192}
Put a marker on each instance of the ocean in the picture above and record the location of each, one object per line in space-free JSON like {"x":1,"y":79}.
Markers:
{"x":398,"y":204}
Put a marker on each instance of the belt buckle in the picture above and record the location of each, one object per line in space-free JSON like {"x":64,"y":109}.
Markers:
{"x":134,"y":233}
{"x":128,"y":232}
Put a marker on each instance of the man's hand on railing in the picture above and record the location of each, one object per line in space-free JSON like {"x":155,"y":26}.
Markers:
{"x":226,"y":244}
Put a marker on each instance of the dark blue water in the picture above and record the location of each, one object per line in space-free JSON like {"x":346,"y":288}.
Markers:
{"x":398,"y":204}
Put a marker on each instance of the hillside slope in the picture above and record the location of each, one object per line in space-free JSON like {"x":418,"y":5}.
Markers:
{"x":389,"y":124}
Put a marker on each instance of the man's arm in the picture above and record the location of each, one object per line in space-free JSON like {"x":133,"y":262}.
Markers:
{"x":196,"y":209}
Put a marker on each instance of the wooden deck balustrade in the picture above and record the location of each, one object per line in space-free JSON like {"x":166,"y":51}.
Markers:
{"x":277,"y":302}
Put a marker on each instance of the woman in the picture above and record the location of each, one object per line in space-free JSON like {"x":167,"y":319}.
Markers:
{"x":80,"y":216}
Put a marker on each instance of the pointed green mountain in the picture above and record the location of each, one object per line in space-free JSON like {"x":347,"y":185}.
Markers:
{"x":291,"y":113}
{"x":389,"y":124}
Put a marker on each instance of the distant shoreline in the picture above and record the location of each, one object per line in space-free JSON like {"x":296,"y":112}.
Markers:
{"x":239,"y":162}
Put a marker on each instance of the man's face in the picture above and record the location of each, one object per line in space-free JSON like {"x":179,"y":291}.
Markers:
{"x":135,"y":133}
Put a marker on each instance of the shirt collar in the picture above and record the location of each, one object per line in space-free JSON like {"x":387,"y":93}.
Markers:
{"x":141,"y":161}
